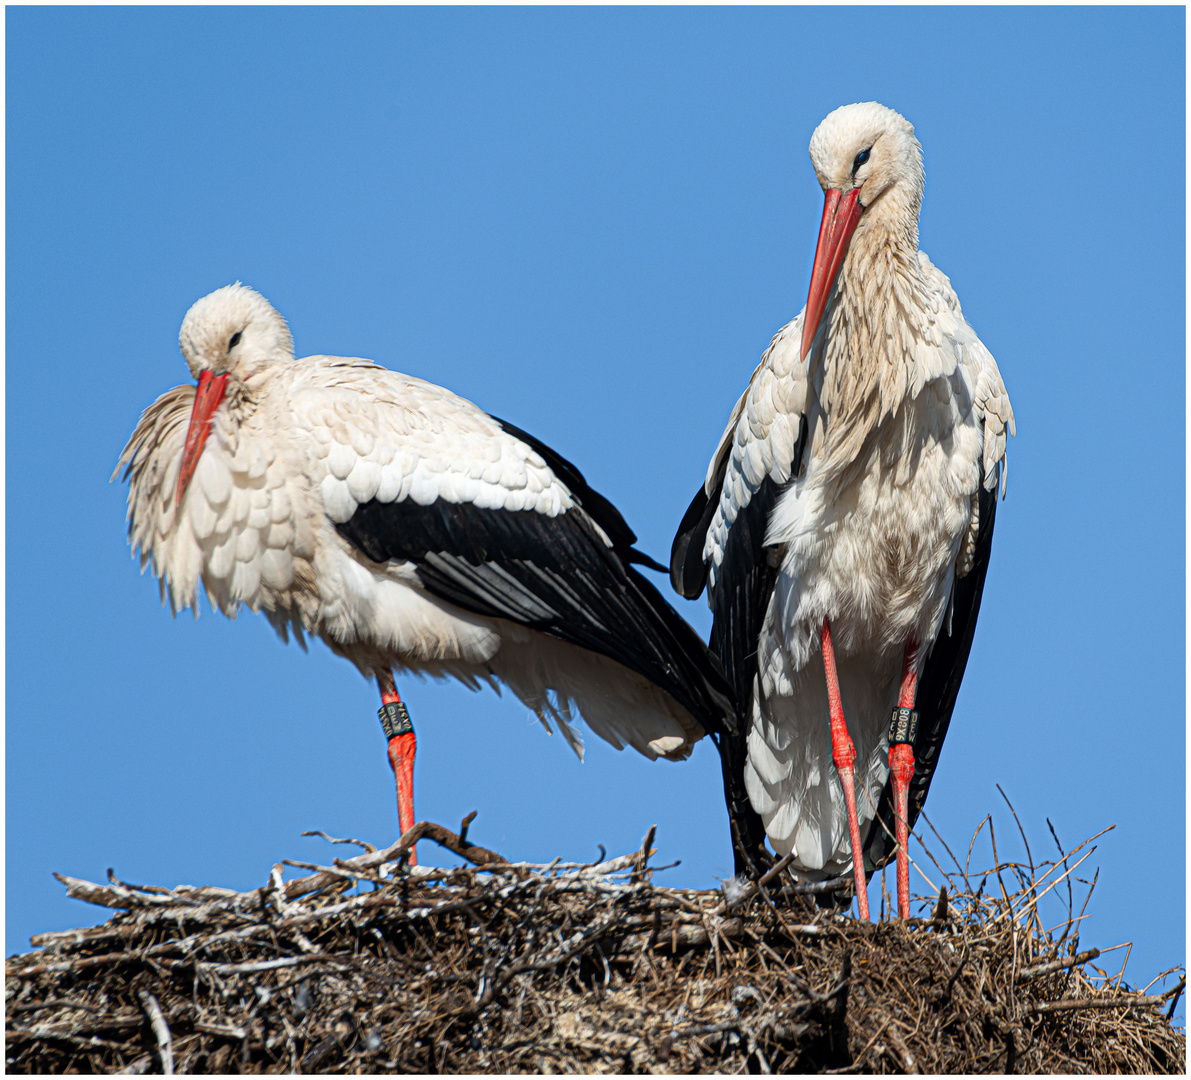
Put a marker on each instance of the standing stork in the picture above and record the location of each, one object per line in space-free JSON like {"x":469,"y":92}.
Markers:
{"x":410,"y":531}
{"x":844,"y":529}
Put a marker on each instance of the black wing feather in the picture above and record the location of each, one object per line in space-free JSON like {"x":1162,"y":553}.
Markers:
{"x":688,"y":571}
{"x":745,"y":581}
{"x":556,"y":575}
{"x":937,"y":689}
{"x":744,"y":585}
{"x":599,"y":509}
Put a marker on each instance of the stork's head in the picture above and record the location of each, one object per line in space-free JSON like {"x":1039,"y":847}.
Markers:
{"x":232,"y":332}
{"x":234,"y":329}
{"x":870,"y":168}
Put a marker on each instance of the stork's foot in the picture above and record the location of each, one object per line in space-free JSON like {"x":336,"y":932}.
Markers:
{"x":843,"y":753}
{"x":403,"y":748}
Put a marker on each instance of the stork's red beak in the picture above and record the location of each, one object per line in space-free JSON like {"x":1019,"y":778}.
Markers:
{"x":841,"y":212}
{"x":206,"y":401}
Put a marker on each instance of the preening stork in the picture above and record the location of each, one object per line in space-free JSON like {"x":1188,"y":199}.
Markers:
{"x":410,"y":531}
{"x":844,"y":528}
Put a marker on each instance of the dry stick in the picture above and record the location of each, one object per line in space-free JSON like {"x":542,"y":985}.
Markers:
{"x":165,"y":1041}
{"x":473,"y":853}
{"x":1073,"y":852}
{"x":1175,"y":1000}
{"x":113,"y":896}
{"x":1070,"y":893}
{"x":930,"y":884}
{"x":1121,"y":973}
{"x":947,"y":848}
{"x":263,"y":965}
{"x":1022,"y":831}
{"x":74,"y":965}
{"x":907,"y":1059}
{"x":992,"y":836}
{"x":51,"y":1003}
{"x":346,"y":873}
{"x":139,"y":888}
{"x":1029,"y":854}
{"x":221,"y":1029}
{"x":714,"y":936}
{"x":83,"y":936}
{"x":368,"y":848}
{"x":1049,"y":932}
{"x":1034,"y":902}
{"x":443,"y":837}
{"x":639,"y":873}
{"x":972,"y":844}
{"x":1052,"y":966}
{"x":750,"y":889}
{"x":1087,"y":899}
{"x":1068,"y":1004}
{"x":797,"y":928}
{"x":1161,"y":975}
{"x":930,"y":855}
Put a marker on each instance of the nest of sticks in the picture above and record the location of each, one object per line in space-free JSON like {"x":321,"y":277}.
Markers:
{"x":368,"y":965}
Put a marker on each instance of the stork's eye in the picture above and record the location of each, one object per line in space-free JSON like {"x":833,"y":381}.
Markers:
{"x":234,"y":342}
{"x":861,"y":158}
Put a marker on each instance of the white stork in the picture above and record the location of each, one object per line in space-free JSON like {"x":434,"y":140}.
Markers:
{"x":844,"y":528}
{"x":410,"y":531}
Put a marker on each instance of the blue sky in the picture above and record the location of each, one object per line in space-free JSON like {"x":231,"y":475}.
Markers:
{"x":590,"y":222}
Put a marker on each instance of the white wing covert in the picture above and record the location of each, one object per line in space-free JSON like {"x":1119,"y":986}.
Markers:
{"x":991,"y":399}
{"x":380,"y":435}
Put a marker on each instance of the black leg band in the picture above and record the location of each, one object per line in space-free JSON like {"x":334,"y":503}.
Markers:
{"x":904,"y":727}
{"x":394,"y":718}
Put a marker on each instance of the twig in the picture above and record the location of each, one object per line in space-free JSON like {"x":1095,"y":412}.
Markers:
{"x":1032,"y":901}
{"x":1070,"y":893}
{"x":992,"y":836}
{"x":138,"y":888}
{"x":908,"y":1061}
{"x":1098,"y":1003}
{"x":1052,"y":966}
{"x":947,"y":848}
{"x":473,"y":853}
{"x":639,"y":871}
{"x":221,"y":1029}
{"x":369,"y":848}
{"x":268,"y":965}
{"x":165,"y":1041}
{"x":1175,"y":999}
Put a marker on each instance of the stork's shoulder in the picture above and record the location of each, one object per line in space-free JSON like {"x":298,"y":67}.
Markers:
{"x":761,"y":440}
{"x":378,"y":434}
{"x":764,"y":442}
{"x":762,"y":433}
{"x":976,"y":365}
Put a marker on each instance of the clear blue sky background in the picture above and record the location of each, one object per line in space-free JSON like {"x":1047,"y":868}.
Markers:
{"x":590,"y":222}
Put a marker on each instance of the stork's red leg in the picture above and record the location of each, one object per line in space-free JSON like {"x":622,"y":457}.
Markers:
{"x":403,"y":747}
{"x":843,"y":753}
{"x":901,"y":769}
